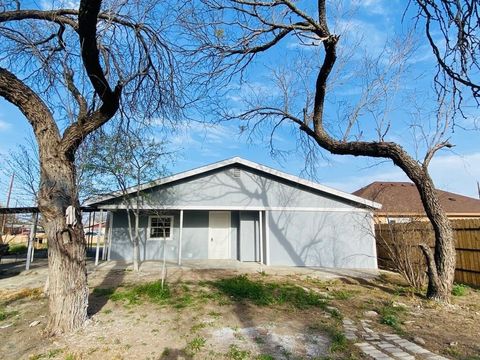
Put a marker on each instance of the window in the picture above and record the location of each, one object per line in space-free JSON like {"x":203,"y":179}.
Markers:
{"x":160,"y":227}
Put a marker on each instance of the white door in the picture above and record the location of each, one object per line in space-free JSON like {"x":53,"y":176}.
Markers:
{"x":219,"y":235}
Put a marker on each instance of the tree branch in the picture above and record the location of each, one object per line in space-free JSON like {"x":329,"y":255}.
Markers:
{"x":87,"y":31}
{"x":23,"y":97}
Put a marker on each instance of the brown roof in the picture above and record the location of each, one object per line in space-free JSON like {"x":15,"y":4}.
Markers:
{"x":403,"y":198}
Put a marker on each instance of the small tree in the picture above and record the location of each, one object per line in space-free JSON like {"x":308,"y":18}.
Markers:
{"x":124,"y":160}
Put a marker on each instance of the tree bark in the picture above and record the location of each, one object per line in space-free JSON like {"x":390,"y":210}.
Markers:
{"x":441,"y":265}
{"x":136,"y":252}
{"x":67,"y":290}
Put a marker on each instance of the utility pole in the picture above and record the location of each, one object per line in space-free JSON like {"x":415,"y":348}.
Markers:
{"x":4,"y":218}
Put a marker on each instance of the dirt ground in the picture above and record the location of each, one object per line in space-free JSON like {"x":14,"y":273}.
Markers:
{"x":206,"y":325}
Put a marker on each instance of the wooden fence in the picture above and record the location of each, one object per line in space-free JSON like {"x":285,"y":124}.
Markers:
{"x":467,"y":244}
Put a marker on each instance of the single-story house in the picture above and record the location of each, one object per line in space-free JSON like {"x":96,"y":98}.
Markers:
{"x":401,"y":203}
{"x":238,"y":209}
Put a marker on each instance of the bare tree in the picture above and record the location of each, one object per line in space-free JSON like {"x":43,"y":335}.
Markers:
{"x":58,"y":66}
{"x":236,"y":32}
{"x":126,"y":159}
{"x":457,"y":48}
{"x":24,"y":162}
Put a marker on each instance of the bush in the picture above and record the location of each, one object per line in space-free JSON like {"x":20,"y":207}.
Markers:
{"x":16,"y":249}
{"x":459,"y":290}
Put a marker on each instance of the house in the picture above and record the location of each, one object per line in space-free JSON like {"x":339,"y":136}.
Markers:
{"x":238,"y":209}
{"x":401,"y":202}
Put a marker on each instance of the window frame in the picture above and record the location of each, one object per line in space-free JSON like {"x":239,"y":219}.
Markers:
{"x":150,"y":217}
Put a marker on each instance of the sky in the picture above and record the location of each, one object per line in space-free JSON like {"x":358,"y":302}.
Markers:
{"x":375,"y":24}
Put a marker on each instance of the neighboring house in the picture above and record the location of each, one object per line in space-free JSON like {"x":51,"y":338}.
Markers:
{"x":238,"y":209}
{"x":401,"y":202}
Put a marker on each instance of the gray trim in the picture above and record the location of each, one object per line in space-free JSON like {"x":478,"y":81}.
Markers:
{"x":235,"y":208}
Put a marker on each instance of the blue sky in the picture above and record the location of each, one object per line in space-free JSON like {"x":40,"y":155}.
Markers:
{"x":376,"y":23}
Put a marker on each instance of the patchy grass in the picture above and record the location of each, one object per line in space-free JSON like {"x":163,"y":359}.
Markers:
{"x":268,"y":293}
{"x":5,"y":314}
{"x":264,"y":357}
{"x":152,"y":291}
{"x":459,"y":290}
{"x":339,"y":343}
{"x":342,"y":294}
{"x":51,"y":354}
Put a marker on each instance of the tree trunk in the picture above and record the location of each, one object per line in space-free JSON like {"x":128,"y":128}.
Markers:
{"x":133,"y":234}
{"x":136,"y":253}
{"x":67,"y":289}
{"x":441,"y":264}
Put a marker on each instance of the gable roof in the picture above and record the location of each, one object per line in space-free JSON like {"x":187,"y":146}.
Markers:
{"x":403,"y":198}
{"x":248,"y":164}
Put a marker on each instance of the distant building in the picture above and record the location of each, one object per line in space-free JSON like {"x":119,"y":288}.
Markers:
{"x":401,"y":202}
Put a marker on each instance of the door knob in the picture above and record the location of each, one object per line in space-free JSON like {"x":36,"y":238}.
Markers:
{"x":211,"y":239}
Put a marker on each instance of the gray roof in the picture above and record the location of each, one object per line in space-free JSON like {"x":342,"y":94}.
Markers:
{"x":246,"y":163}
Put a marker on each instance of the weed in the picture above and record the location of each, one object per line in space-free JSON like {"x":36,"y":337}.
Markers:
{"x":36,"y":357}
{"x":335,"y":313}
{"x":390,"y":320}
{"x":452,"y":351}
{"x":259,"y":340}
{"x":342,"y":294}
{"x":195,"y":345}
{"x":265,"y":293}
{"x":107,"y":311}
{"x":166,"y":352}
{"x":214,"y":314}
{"x":54,"y":352}
{"x":197,"y":327}
{"x":459,"y":290}
{"x":183,"y":301}
{"x":5,"y":314}
{"x":71,"y":357}
{"x":339,"y":342}
{"x":390,"y":315}
{"x":264,"y":357}
{"x":235,"y":353}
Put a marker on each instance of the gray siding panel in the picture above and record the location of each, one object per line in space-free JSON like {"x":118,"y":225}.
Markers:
{"x":249,"y":235}
{"x":122,"y":248}
{"x":194,"y":238}
{"x":195,"y":235}
{"x":340,"y":240}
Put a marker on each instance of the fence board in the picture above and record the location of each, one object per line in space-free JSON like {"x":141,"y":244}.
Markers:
{"x":467,"y":244}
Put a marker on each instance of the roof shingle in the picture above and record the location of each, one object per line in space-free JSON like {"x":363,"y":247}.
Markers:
{"x":403,"y":198}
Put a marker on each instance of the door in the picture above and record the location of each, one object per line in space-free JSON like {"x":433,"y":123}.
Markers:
{"x":219,"y":235}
